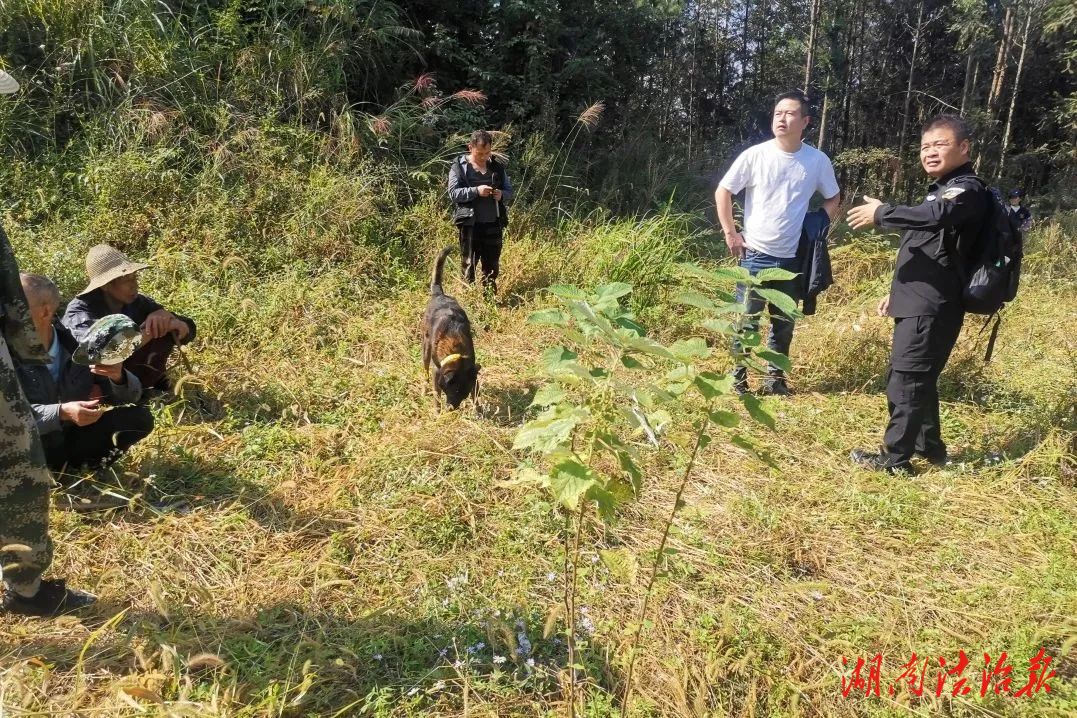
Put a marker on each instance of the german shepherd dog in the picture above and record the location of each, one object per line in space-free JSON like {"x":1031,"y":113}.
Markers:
{"x":447,"y":343}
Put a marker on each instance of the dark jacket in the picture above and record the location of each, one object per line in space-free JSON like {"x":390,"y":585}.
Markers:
{"x":76,"y":383}
{"x":926,"y":282}
{"x":814,"y":258}
{"x":84,"y":310}
{"x":462,"y":193}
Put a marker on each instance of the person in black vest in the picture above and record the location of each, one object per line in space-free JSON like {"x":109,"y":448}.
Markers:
{"x":1018,"y":210}
{"x":481,"y":190}
{"x":925,"y":297}
{"x":86,"y":415}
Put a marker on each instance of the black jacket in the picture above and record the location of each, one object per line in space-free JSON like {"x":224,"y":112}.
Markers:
{"x":814,"y":259}
{"x":462,"y":193}
{"x":925,"y":281}
{"x":85,"y":309}
{"x":76,"y":383}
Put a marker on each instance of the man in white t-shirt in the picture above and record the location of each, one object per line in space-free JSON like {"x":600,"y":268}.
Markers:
{"x":779,"y":177}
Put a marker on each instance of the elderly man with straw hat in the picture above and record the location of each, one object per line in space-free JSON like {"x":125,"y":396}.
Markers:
{"x":25,"y":545}
{"x":113,"y":289}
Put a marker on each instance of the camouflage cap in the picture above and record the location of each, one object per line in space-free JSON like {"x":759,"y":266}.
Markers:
{"x":111,"y":340}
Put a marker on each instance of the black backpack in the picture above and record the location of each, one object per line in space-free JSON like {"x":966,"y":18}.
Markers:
{"x":993,"y":271}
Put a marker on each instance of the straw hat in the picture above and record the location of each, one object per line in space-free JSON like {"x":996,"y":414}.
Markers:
{"x":105,"y":263}
{"x":8,"y":85}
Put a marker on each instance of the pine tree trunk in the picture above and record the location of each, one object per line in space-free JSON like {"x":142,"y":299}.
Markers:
{"x":809,"y":61}
{"x":998,"y":78}
{"x":908,"y":97}
{"x":1016,"y":90}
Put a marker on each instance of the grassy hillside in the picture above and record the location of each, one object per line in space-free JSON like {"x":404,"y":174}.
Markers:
{"x":343,"y":549}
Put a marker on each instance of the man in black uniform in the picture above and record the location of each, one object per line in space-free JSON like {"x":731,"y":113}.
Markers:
{"x":926,"y":294}
{"x":1019,"y":211}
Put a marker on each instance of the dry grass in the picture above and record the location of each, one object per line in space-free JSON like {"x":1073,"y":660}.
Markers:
{"x":342,"y":545}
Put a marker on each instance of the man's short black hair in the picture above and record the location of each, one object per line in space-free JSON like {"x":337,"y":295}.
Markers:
{"x":805,"y":103}
{"x":954,"y":123}
{"x":481,"y":138}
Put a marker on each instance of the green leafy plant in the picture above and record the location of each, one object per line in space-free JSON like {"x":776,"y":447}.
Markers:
{"x":614,"y":393}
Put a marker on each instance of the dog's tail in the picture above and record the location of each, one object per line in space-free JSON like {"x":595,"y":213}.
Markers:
{"x":439,"y":265}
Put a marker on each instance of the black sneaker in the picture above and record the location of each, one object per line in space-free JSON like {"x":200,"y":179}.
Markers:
{"x":937,"y":458}
{"x":776,"y":387}
{"x":53,"y":598}
{"x":876,"y":461}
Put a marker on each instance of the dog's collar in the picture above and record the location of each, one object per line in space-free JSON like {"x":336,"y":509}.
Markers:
{"x":451,"y":358}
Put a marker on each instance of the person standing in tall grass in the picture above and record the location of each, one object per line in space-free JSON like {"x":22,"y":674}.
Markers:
{"x":481,"y":191}
{"x":926,"y":300}
{"x":779,"y":177}
{"x":26,"y":547}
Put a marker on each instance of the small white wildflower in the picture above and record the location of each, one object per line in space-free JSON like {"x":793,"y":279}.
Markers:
{"x":443,"y":652}
{"x":530,"y":662}
{"x":413,"y":691}
{"x":377,"y":656}
{"x":439,"y":686}
{"x":595,"y":559}
{"x":498,"y":660}
{"x":551,"y":576}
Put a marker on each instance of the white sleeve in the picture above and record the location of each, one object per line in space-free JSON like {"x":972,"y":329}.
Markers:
{"x":828,"y":183}
{"x":739,"y":174}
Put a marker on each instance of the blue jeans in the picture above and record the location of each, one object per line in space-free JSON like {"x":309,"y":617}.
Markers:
{"x":780,"y":334}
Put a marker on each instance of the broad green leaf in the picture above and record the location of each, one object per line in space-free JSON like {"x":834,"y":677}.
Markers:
{"x":550,"y":430}
{"x":557,"y":355}
{"x":756,"y":410}
{"x":711,"y":385}
{"x":613,"y":290}
{"x":696,"y":299}
{"x":704,"y":442}
{"x":631,"y":363}
{"x":548,"y":316}
{"x":680,"y":373}
{"x":732,"y":308}
{"x":779,"y":360}
{"x":721,"y":326}
{"x":621,"y":563}
{"x":750,"y":339}
{"x":781,"y":300}
{"x":724,"y":418}
{"x":688,"y":349}
{"x":775,"y":274}
{"x":625,"y":322}
{"x":649,"y":346}
{"x":569,"y":481}
{"x":566,"y":291}
{"x":548,"y":394}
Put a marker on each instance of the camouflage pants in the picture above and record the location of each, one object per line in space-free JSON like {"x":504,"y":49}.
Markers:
{"x":24,"y":487}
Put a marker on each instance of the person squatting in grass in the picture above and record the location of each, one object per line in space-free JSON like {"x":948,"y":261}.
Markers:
{"x":779,"y":177}
{"x":25,"y":545}
{"x":481,"y":191}
{"x":113,"y":289}
{"x":926,"y":294}
{"x":76,"y":429}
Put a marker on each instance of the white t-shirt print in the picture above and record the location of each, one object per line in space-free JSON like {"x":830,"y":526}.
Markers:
{"x":778,"y":186}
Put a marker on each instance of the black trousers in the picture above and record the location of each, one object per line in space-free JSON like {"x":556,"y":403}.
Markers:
{"x":100,"y":444}
{"x":921,"y":348}
{"x":481,"y":244}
